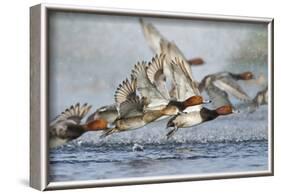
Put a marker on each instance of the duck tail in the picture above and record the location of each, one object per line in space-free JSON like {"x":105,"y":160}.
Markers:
{"x":108,"y":132}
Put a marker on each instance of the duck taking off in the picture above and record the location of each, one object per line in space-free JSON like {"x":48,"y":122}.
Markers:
{"x":194,"y":115}
{"x":67,"y":126}
{"x":189,"y":119}
{"x":218,"y":87}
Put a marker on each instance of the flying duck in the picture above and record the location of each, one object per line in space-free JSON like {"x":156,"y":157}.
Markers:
{"x":218,"y":87}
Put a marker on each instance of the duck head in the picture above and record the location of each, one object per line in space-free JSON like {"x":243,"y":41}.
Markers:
{"x":96,"y":125}
{"x":246,"y":75}
{"x":224,"y":110}
{"x":196,"y":61}
{"x":194,"y":100}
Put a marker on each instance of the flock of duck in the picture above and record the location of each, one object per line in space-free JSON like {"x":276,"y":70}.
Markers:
{"x":159,"y":89}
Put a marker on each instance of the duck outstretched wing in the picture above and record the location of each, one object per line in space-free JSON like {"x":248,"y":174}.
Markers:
{"x":75,"y":113}
{"x":148,"y":90}
{"x":156,"y":75}
{"x":183,"y":79}
{"x":218,"y":97}
{"x":152,"y":36}
{"x":231,"y":86}
{"x":128,"y":101}
{"x":131,"y":108}
{"x":126,"y":91}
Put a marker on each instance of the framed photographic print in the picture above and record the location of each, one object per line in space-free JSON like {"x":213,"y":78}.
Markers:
{"x":123,"y":97}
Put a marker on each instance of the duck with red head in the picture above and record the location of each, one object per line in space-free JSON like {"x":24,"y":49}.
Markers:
{"x":67,"y":126}
{"x":220,"y":85}
{"x":196,"y":61}
{"x":186,"y":120}
{"x":245,"y":76}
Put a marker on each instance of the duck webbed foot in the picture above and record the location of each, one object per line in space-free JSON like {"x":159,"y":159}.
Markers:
{"x":171,"y":133}
{"x":108,"y":132}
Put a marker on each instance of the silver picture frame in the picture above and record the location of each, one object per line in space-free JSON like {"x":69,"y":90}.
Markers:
{"x":39,"y":97}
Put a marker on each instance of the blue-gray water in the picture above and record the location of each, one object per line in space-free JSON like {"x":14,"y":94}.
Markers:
{"x":230,"y":144}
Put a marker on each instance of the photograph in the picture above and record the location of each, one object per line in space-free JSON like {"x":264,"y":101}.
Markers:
{"x":143,"y":96}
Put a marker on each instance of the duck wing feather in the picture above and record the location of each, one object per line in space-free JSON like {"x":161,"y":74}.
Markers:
{"x":131,"y":108}
{"x":231,"y":86}
{"x":125,"y":91}
{"x":152,"y":36}
{"x":155,"y":74}
{"x":218,"y":96}
{"x":74,"y":114}
{"x":184,"y":83}
{"x":148,"y":90}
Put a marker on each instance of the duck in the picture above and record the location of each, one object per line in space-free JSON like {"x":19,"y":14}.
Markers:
{"x":158,"y":43}
{"x":219,"y":85}
{"x":191,"y":116}
{"x":190,"y":119}
{"x":67,"y":126}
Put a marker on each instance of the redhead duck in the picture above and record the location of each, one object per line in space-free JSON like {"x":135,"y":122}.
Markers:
{"x":185,"y":120}
{"x":158,"y":43}
{"x":66,"y":126}
{"x":218,"y":86}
